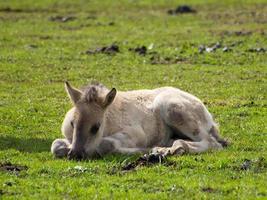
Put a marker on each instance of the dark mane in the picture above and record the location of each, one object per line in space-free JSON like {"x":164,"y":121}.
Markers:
{"x":92,"y":91}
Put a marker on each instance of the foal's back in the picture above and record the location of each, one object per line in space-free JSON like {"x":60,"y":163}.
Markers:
{"x":134,"y":110}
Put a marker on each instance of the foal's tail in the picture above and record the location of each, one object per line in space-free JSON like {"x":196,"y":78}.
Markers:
{"x":214,"y":131}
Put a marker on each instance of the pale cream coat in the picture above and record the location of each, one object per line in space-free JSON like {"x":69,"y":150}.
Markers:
{"x":136,"y":121}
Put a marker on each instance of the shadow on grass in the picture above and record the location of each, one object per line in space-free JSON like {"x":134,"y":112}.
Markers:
{"x":38,"y":145}
{"x":29,"y":145}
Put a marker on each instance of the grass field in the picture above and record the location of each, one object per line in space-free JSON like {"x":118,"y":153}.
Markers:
{"x":44,"y":43}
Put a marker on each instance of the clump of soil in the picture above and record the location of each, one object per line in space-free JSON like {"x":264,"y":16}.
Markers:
{"x":214,"y":47}
{"x":9,"y":167}
{"x":246,"y":164}
{"x":257,"y":50}
{"x":140,"y":50}
{"x":112,"y":49}
{"x":208,"y":189}
{"x":256,"y":165}
{"x":145,"y":160}
{"x":183,"y":9}
{"x":226,"y":49}
{"x":62,"y":18}
{"x":209,"y":49}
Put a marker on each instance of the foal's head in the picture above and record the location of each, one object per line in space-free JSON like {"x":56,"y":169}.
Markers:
{"x":90,"y":105}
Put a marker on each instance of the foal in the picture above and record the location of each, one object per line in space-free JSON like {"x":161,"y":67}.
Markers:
{"x":166,"y":121}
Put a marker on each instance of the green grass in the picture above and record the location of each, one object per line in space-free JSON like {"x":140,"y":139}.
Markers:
{"x":37,"y":55}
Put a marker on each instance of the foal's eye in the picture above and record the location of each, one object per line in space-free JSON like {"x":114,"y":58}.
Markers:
{"x":71,"y":123}
{"x":95,"y":128}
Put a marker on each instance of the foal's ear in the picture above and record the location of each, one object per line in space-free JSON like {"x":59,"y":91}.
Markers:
{"x":73,"y":93}
{"x":110,"y":97}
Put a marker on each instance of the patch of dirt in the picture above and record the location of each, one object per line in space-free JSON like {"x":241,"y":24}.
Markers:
{"x":226,"y":49}
{"x":111,"y":24}
{"x":214,"y":47}
{"x":9,"y":167}
{"x":256,"y":165}
{"x":257,"y":50}
{"x":146,"y":160}
{"x":62,"y":18}
{"x":208,"y":190}
{"x":8,"y":183}
{"x":248,"y":104}
{"x":112,"y":49}
{"x":182,"y":9}
{"x":140,"y":50}
{"x":246,"y":164}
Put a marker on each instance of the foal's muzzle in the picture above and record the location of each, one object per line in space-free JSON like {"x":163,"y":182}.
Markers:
{"x":76,"y":155}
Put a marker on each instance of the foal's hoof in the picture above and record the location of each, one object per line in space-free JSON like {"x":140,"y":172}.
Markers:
{"x":179,"y":151}
{"x":60,"y":148}
{"x":166,"y":151}
{"x":163,"y":151}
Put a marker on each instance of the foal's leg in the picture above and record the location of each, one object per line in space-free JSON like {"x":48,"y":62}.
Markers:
{"x":61,"y":147}
{"x":196,"y":123}
{"x":180,"y":147}
{"x":67,"y":125}
{"x":111,"y":145}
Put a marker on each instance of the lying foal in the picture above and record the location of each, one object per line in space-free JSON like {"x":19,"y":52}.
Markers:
{"x":165,"y":120}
